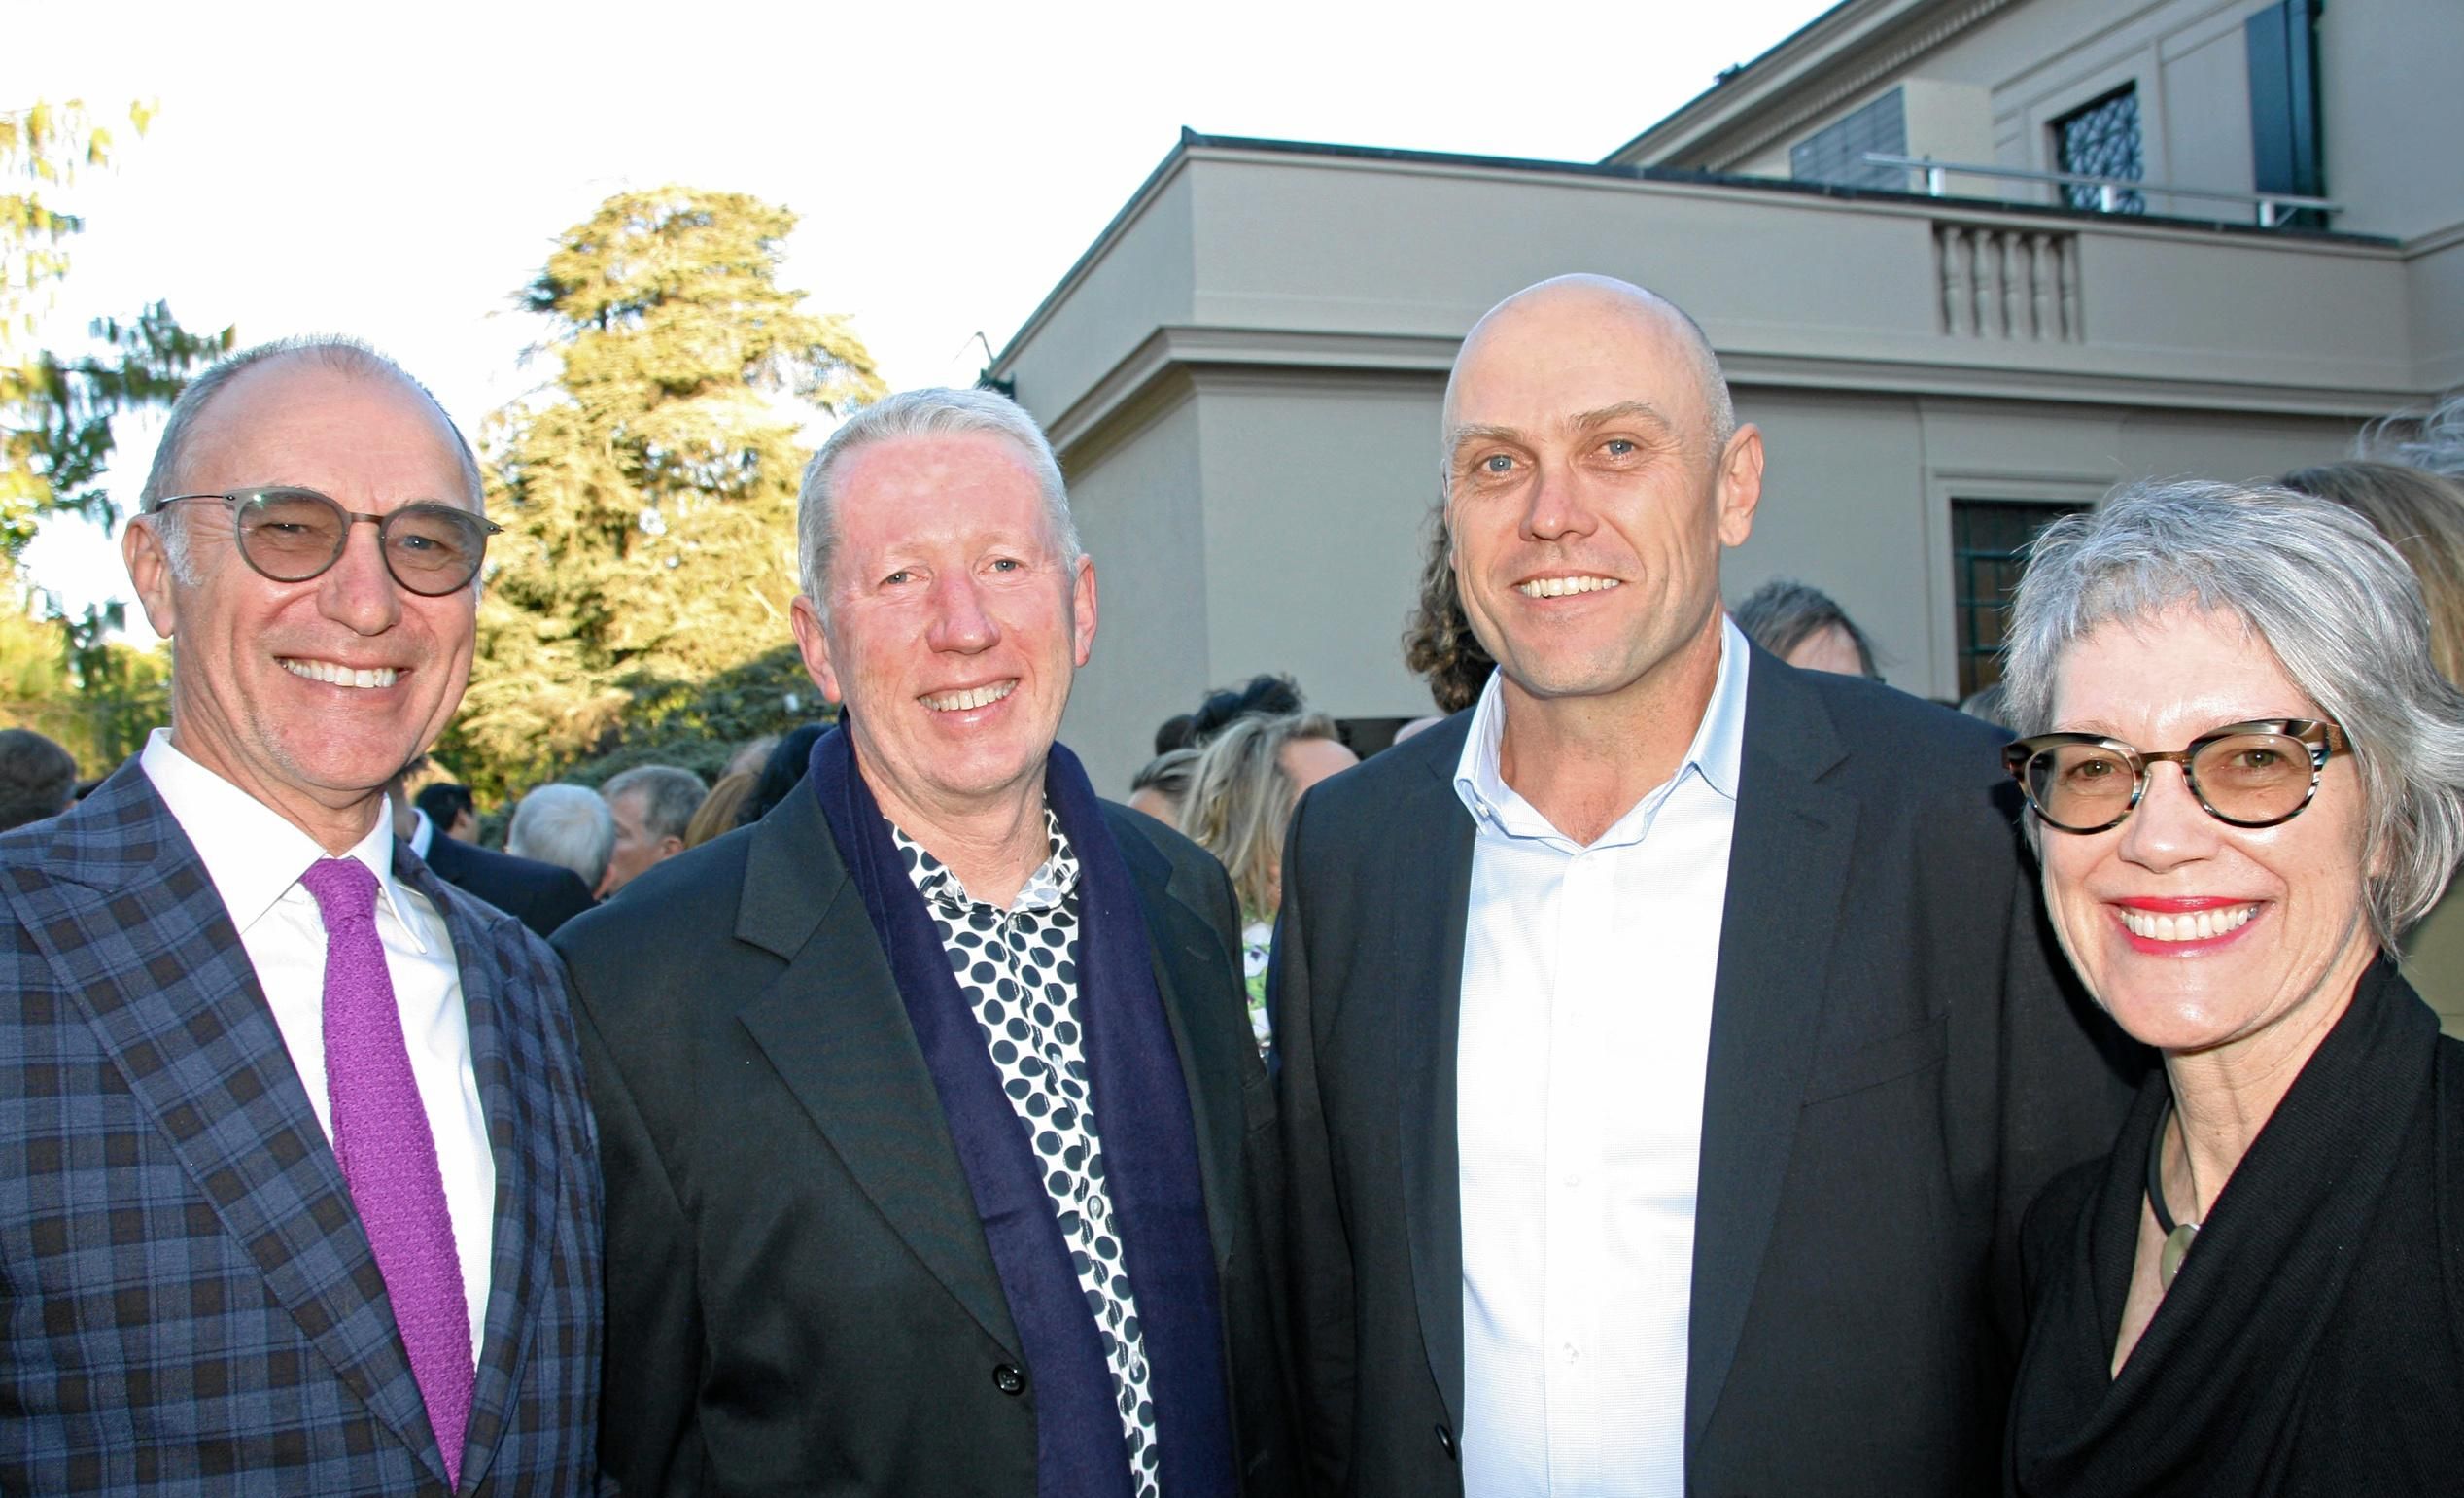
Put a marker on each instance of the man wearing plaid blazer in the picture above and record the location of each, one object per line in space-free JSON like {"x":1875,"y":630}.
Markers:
{"x":298,"y":1190}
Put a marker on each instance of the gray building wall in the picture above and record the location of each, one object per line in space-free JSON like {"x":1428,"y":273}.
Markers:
{"x":1243,"y":374}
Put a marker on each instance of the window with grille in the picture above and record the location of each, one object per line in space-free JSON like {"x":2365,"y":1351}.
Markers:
{"x":1989,"y":550}
{"x":1836,"y":152}
{"x":2103,"y":140}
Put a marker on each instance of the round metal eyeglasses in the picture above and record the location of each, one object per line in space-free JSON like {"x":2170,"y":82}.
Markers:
{"x":291,"y":535}
{"x":2248,"y":774}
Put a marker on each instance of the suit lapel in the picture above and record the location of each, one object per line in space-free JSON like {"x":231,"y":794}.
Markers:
{"x":834,"y":1028}
{"x":1431,"y":830}
{"x":124,"y":912}
{"x":506,"y":1041}
{"x":1787,"y":879}
{"x":1183,"y":945}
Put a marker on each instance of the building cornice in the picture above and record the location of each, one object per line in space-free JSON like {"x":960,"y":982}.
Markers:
{"x":1842,"y":54}
{"x":1160,"y":370}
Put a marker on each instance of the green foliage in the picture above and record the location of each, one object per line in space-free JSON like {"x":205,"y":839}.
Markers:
{"x":56,"y":413}
{"x":56,"y":439}
{"x":639,"y":596}
{"x":98,"y":704}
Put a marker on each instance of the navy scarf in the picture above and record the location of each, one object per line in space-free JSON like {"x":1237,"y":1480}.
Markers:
{"x":1149,"y":1150}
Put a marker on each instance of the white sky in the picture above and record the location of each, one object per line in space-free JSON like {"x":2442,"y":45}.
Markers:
{"x":396,"y":172}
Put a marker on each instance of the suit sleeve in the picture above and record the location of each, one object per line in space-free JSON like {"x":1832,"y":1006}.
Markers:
{"x":1318,"y":1249}
{"x":2068,"y":1073}
{"x":650,"y":1434}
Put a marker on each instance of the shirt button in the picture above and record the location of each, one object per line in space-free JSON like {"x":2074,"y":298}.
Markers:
{"x":1009,"y":1381}
{"x":1574,"y":1177}
{"x":1570,"y":1352}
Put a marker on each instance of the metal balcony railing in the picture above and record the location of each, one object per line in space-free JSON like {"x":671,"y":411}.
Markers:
{"x":2272,"y":208}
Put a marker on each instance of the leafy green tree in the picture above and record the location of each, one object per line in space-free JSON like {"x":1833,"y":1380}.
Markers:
{"x":640,"y":595}
{"x":55,"y":427}
{"x":55,"y":410}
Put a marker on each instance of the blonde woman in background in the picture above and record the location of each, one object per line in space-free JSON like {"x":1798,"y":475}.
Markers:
{"x":2422,"y":515}
{"x":1239,"y":803}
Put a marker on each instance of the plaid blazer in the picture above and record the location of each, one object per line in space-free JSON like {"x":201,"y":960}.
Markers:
{"x":188,"y":1301}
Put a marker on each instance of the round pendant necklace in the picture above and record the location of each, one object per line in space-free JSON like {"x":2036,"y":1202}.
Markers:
{"x":2178,"y":1236}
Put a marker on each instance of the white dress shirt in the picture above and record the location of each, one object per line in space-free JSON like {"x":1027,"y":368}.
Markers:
{"x":1585,"y":1026}
{"x":423,"y":833}
{"x":255,"y":858}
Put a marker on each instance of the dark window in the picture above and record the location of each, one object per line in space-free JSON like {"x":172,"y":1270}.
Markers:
{"x":2284,"y":118}
{"x":2103,"y":140}
{"x":1989,"y":550}
{"x":1836,"y":152}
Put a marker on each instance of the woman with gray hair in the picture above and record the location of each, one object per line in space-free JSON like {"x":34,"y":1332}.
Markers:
{"x":2246,"y":779}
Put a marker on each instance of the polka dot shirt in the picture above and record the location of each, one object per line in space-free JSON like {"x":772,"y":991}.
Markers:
{"x":1019,"y":970}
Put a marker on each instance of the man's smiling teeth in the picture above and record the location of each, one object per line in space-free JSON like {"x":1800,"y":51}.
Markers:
{"x":340,"y":676}
{"x":973,"y":697}
{"x":1559,"y":587}
{"x":2189,"y":925}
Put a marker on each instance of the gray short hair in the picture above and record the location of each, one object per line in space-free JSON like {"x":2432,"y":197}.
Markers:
{"x":2322,"y":590}
{"x":2434,"y":442}
{"x":934,"y":412}
{"x":566,"y":826}
{"x":670,"y":796}
{"x":1784,"y":614}
{"x":342,"y":356}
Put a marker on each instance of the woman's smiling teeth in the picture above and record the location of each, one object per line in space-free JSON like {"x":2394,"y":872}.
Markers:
{"x":333,"y":675}
{"x":1559,"y":587}
{"x":972,"y":697}
{"x":2189,"y":925}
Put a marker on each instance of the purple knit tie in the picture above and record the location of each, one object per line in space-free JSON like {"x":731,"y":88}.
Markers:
{"x":388,"y":1155}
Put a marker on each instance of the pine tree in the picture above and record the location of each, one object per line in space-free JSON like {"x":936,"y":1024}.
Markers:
{"x":641,"y":590}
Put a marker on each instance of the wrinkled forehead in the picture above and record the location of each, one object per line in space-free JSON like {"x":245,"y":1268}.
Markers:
{"x":369,"y":439}
{"x":940,"y":490}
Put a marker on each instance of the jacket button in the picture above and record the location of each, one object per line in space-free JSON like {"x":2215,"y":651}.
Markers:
{"x":1008,"y":1380}
{"x":1445,"y":1439}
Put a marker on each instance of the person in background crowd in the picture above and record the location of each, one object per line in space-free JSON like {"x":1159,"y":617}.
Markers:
{"x":298,"y":1187}
{"x":1440,"y":646}
{"x":653,"y":805}
{"x":38,"y":778}
{"x":451,"y":809}
{"x":566,"y":826}
{"x":751,"y":755}
{"x":720,"y":809}
{"x":2246,"y":782}
{"x":1163,"y":783}
{"x":945,"y":1055}
{"x":2433,"y":443}
{"x":540,"y":895}
{"x":1262,"y":696}
{"x":2422,"y":515}
{"x":1669,"y":1044}
{"x":1239,"y":803}
{"x":782,"y":770}
{"x":1801,"y":625}
{"x":1986,"y":706}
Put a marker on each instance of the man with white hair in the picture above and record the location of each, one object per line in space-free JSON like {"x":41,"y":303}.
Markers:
{"x":934,"y":1130}
{"x":298,"y":1187}
{"x":566,"y":826}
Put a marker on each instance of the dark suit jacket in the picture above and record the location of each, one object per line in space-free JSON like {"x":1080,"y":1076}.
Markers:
{"x":540,"y":895}
{"x":1892,"y":1073}
{"x":191,"y":1302}
{"x":800,"y":1295}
